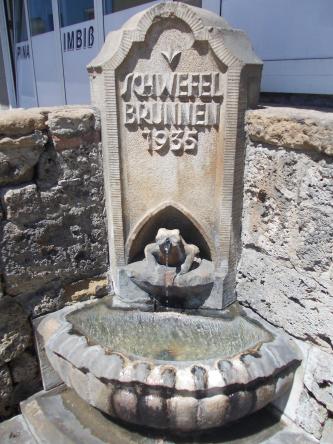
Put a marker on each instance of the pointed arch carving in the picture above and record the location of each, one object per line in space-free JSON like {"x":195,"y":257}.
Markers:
{"x":167,"y":215}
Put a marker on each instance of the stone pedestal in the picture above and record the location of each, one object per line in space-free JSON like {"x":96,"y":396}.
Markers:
{"x":61,"y":416}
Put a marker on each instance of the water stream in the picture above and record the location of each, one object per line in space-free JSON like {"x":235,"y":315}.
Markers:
{"x":167,"y":247}
{"x":166,"y":279}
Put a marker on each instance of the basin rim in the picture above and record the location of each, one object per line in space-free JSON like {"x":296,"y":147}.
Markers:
{"x":263,"y":361}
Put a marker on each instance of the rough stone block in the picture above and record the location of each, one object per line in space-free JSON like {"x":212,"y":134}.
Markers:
{"x":81,"y":290}
{"x":286,"y":297}
{"x":24,"y":389}
{"x":70,"y":127}
{"x":15,"y":330}
{"x":53,"y":232}
{"x":60,"y":229}
{"x":71,"y":120}
{"x":286,"y":266}
{"x":287,"y":210}
{"x":292,"y":128}
{"x":19,"y":155}
{"x":20,"y":204}
{"x":6,"y":387}
{"x":45,"y":300}
{"x":327,"y":435}
{"x":20,"y":121}
{"x":318,"y":378}
{"x":16,"y":431}
{"x":286,"y":271}
{"x":310,"y":415}
{"x":55,"y":252}
{"x":291,"y":436}
{"x":47,"y":171}
{"x":24,"y":368}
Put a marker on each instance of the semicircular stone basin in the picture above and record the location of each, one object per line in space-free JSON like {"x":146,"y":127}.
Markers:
{"x":168,"y":370}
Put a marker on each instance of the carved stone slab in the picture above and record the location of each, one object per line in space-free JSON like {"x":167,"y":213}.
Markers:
{"x":173,"y":85}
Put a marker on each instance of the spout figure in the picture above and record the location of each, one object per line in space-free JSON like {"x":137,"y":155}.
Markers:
{"x":172,"y":272}
{"x":170,"y":249}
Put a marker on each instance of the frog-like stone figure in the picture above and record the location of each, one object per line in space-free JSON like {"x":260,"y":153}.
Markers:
{"x":171,"y":272}
{"x":171,"y":249}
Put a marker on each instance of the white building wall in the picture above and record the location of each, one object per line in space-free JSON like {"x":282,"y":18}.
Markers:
{"x":293,"y":37}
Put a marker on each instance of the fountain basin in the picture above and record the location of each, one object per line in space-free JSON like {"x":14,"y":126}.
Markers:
{"x":168,"y":370}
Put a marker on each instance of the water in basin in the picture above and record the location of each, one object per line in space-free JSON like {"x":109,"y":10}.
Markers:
{"x":167,"y":336}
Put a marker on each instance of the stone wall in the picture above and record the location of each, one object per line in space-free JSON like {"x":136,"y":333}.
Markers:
{"x":54,"y":243}
{"x":286,"y":271}
{"x":53,"y":234}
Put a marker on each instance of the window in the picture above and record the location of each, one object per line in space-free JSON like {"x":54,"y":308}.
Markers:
{"x":197,"y":3}
{"x":40,"y":15}
{"x":119,"y":5}
{"x":20,"y":26}
{"x":74,"y":11}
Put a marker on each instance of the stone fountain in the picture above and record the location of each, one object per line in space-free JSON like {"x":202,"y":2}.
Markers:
{"x":172,"y":350}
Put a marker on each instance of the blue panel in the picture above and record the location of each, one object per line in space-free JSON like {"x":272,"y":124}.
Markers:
{"x":40,"y":15}
{"x":73,"y":11}
{"x":20,"y":25}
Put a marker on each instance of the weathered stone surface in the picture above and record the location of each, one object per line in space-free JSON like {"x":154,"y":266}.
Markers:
{"x":312,"y":390}
{"x":292,"y":128}
{"x":286,"y":271}
{"x":85,"y":289}
{"x":287,"y":209}
{"x":285,"y":297}
{"x":15,"y":431}
{"x":20,"y":122}
{"x":37,"y":138}
{"x":71,"y":120}
{"x":52,"y":227}
{"x":24,"y":389}
{"x":24,"y":368}
{"x":44,"y":300}
{"x":6,"y":387}
{"x":47,"y":171}
{"x":310,"y":415}
{"x":291,"y":437}
{"x":15,"y":330}
{"x":70,"y":127}
{"x":318,"y":378}
{"x":18,"y":156}
{"x":60,"y":230}
{"x":286,"y":267}
{"x":326,"y":437}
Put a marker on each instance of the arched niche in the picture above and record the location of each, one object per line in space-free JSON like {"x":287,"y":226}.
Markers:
{"x":170,"y":217}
